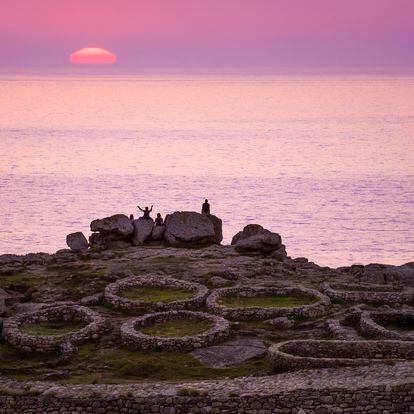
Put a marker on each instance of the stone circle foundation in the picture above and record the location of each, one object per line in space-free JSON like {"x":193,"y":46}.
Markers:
{"x":301,"y":354}
{"x":112,"y":294}
{"x":315,"y":309}
{"x":64,"y":343}
{"x":376,"y":294}
{"x":371,"y":324}
{"x":133,"y":338}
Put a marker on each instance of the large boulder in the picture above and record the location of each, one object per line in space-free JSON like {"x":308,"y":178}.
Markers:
{"x":142,"y":231}
{"x":189,"y":227}
{"x":248,"y":231}
{"x":158,"y":233}
{"x":218,"y":228}
{"x":107,"y":240}
{"x":254,"y":238}
{"x":119,"y":223}
{"x":77,"y":242}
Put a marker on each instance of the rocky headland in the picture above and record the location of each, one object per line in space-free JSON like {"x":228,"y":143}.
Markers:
{"x":140,"y":318}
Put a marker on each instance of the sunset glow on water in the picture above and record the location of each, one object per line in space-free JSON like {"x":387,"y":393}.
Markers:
{"x":326,"y":161}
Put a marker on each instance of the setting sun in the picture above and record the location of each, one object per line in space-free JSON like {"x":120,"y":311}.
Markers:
{"x":92,"y":55}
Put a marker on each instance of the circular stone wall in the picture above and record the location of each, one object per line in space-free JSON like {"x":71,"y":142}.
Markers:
{"x":379,"y":294}
{"x":96,"y":326}
{"x":136,"y":339}
{"x":258,"y":313}
{"x":112,"y":294}
{"x":300,"y":354}
{"x":371,"y":324}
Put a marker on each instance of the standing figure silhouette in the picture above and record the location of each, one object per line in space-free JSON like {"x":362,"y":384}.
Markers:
{"x":205,"y":209}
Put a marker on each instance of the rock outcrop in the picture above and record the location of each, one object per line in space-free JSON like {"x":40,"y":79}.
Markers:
{"x":142,"y":231}
{"x":111,"y":232}
{"x":108,"y":240}
{"x":118,"y":223}
{"x":388,"y":274}
{"x":77,"y":242}
{"x":189,"y":227}
{"x":158,"y":233}
{"x":3,"y":307}
{"x":218,"y":228}
{"x":230,"y":353}
{"x":254,"y":238}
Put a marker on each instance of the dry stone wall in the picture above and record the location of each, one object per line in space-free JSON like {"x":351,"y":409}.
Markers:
{"x":112,"y":294}
{"x":370,"y":324}
{"x":377,"y":294}
{"x":132,"y":336}
{"x":301,"y":354}
{"x":64,"y":343}
{"x":357,"y":400}
{"x":258,"y":313}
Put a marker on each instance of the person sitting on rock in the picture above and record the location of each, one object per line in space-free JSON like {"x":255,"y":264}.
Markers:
{"x":159,"y":221}
{"x":205,"y":209}
{"x":131,"y":217}
{"x":146,"y":212}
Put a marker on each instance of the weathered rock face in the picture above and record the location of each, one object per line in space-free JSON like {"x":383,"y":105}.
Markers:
{"x":142,"y":231}
{"x":281,"y":323}
{"x":248,"y":231}
{"x":380,"y":273}
{"x":3,"y":307}
{"x":119,"y":223}
{"x":77,"y":242}
{"x":105,"y":240}
{"x":218,"y":228}
{"x":254,"y":238}
{"x":190,"y":227}
{"x":158,"y":233}
{"x":231,"y":353}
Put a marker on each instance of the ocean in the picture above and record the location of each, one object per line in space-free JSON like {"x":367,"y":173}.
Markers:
{"x":327,"y":161}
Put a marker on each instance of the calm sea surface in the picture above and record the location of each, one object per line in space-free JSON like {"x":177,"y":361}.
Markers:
{"x":326,"y":161}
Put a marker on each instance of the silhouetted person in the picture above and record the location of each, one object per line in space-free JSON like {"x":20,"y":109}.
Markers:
{"x":146,"y":212}
{"x":131,"y":217}
{"x":159,"y":221}
{"x":205,"y":209}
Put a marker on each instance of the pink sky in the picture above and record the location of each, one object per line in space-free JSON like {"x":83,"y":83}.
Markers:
{"x":317,"y":33}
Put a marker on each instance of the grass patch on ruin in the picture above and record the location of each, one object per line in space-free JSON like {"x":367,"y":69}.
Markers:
{"x":80,"y":283}
{"x":178,"y":328}
{"x":118,"y":365}
{"x":11,"y":392}
{"x":121,"y":365}
{"x":188,"y":392}
{"x":21,"y":281}
{"x":400,"y":326}
{"x":165,"y":294}
{"x":19,"y":365}
{"x":52,"y":328}
{"x":266,"y":301}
